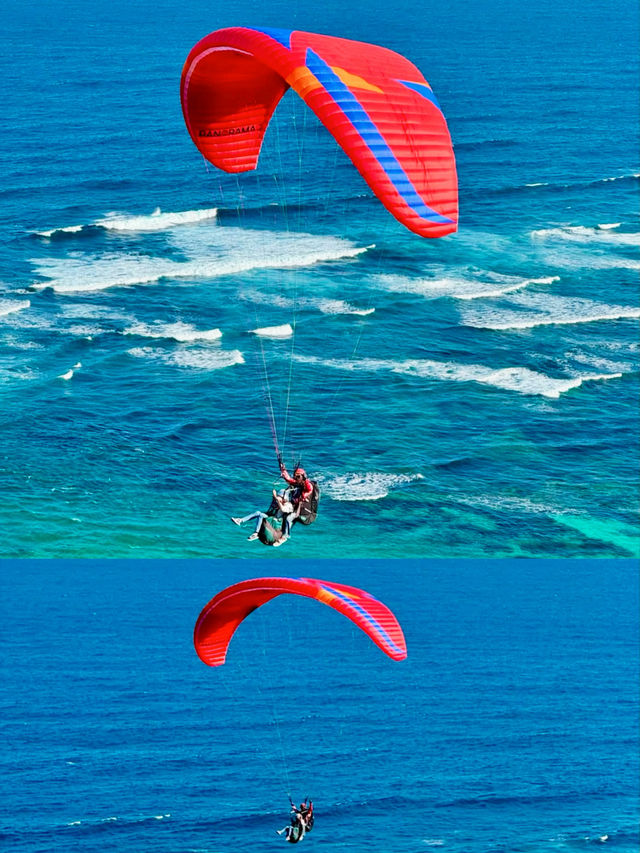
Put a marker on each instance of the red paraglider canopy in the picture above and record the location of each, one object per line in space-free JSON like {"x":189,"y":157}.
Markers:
{"x":376,"y":104}
{"x":222,"y":615}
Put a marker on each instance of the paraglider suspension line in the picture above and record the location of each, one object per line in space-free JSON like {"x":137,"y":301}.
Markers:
{"x":268,"y":401}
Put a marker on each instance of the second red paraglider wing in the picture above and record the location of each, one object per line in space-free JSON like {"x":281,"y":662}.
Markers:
{"x":221,"y":617}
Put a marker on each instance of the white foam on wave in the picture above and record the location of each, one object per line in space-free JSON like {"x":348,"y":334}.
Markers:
{"x":339,"y":306}
{"x":230,"y":251}
{"x":527,"y":311}
{"x":10,"y":306}
{"x":522,"y":380}
{"x":324,"y":305}
{"x":178,"y":331}
{"x":600,"y":248}
{"x":87,"y":311}
{"x":607,"y":233}
{"x":510,"y":504}
{"x":474,"y":286}
{"x":370,"y":486}
{"x":209,"y":359}
{"x":19,"y":374}
{"x":284,"y":331}
{"x":85,"y":331}
{"x":502,"y":291}
{"x":517,"y":322}
{"x":21,"y":344}
{"x":264,"y":249}
{"x":602,"y":262}
{"x":89,"y":273}
{"x":156,"y":221}
{"x":635,"y":175}
{"x":430,"y":288}
{"x":113,"y":818}
{"x":69,"y":229}
{"x":69,"y":373}
{"x":598,"y":362}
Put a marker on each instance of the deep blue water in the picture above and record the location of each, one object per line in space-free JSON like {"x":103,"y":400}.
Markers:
{"x":486,"y":407}
{"x":511,"y":726}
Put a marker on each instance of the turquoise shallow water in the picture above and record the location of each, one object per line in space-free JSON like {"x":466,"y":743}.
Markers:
{"x":471,"y":396}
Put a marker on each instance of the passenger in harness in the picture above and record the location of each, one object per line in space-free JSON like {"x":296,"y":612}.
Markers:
{"x":285,"y":508}
{"x":299,"y":503}
{"x":301,"y":822}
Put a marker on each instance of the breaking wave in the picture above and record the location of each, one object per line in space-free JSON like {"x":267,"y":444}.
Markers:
{"x":548,"y":310}
{"x":212,"y":359}
{"x":509,"y":503}
{"x":323,"y":305}
{"x":156,"y":221}
{"x":182,"y":332}
{"x":523,"y":380}
{"x":633,"y":176}
{"x":483,"y":285}
{"x":10,"y":306}
{"x":284,"y":331}
{"x":606,"y":233}
{"x":370,"y":486}
{"x":235,"y":251}
{"x":339,"y":306}
{"x":69,"y":373}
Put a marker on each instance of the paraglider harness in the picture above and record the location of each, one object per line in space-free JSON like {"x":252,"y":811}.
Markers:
{"x":295,"y":832}
{"x":301,"y":822}
{"x":272,"y":528}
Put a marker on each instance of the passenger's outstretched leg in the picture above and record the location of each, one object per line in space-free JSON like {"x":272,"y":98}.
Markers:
{"x":259,"y":517}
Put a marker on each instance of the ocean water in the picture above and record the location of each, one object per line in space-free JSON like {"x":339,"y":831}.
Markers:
{"x":474,"y":396}
{"x":511,"y":727}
